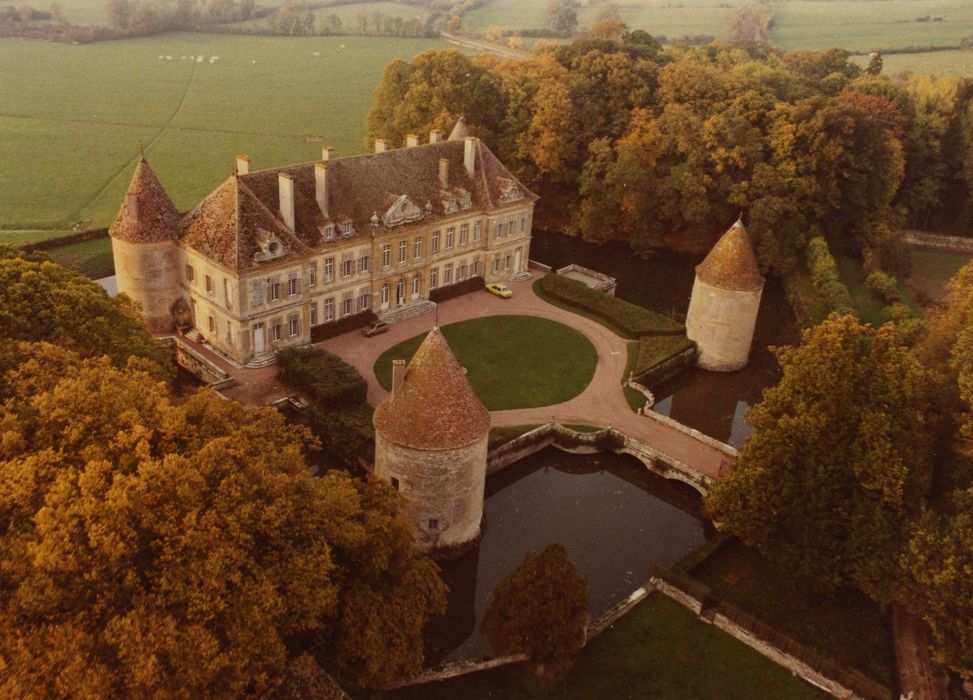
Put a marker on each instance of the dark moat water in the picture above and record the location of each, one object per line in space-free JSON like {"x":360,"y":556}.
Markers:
{"x":712,"y":402}
{"x":615,"y":519}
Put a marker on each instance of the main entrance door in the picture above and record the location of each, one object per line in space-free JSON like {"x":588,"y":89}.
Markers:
{"x":400,"y":293}
{"x":517,"y":261}
{"x":258,"y":339}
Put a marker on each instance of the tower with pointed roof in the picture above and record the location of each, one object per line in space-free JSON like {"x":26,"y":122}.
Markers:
{"x":144,"y":248}
{"x":431,"y":445}
{"x":726,"y":297}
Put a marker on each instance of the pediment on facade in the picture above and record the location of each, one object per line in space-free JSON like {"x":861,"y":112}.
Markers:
{"x":269,"y":247}
{"x":402,"y":211}
{"x":510,"y":191}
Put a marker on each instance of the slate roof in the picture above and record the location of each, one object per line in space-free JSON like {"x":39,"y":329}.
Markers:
{"x":435,"y":408}
{"x":157,"y":215}
{"x":227,"y":223}
{"x":731,"y":263}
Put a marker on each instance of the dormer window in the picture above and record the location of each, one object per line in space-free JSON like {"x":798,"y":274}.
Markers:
{"x":327,"y":232}
{"x":509,"y":191}
{"x":268,"y":246}
{"x":467,"y":201}
{"x":346,"y":228}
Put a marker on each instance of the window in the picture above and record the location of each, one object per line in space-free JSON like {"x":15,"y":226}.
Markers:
{"x":226,"y":293}
{"x":385,"y":294}
{"x":394,"y":482}
{"x":346,"y":229}
{"x":416,"y":285}
{"x":477,"y":227}
{"x":462,"y":272}
{"x":496,"y":264}
{"x":347,"y":267}
{"x":506,"y":262}
{"x":417,"y":248}
{"x":229,"y":333}
{"x":433,"y":523}
{"x":256,"y":293}
{"x":476,"y":267}
{"x":363,"y":296}
{"x":435,"y":241}
{"x":523,"y":223}
{"x":329,"y":309}
{"x":328,"y":269}
{"x":292,"y":286}
{"x":312,"y":275}
{"x":403,"y":250}
{"x":190,"y":273}
{"x":448,"y":273}
{"x":464,"y":234}
{"x":314,"y":313}
{"x":274,"y":291}
{"x":496,"y":229}
{"x":346,"y":305}
{"x":210,"y":287}
{"x":363,"y":263}
{"x":386,"y":255}
{"x":433,"y":278}
{"x":292,"y":327}
{"x":329,"y":232}
{"x":450,"y":234}
{"x":275,"y":332}
{"x":212,"y":324}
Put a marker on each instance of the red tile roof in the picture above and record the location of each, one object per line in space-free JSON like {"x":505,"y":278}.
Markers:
{"x":435,"y":408}
{"x":157,"y":215}
{"x":731,"y":264}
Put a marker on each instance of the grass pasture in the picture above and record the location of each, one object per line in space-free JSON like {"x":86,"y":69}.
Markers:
{"x":937,"y":63}
{"x":931,"y":272}
{"x":73,"y":116}
{"x":511,"y":361}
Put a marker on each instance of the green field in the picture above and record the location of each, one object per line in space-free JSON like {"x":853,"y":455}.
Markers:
{"x":938,"y":63}
{"x":511,"y":361}
{"x":349,"y":14}
{"x":72,"y":116}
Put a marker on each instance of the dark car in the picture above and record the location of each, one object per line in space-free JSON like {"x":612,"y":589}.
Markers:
{"x":374,"y":328}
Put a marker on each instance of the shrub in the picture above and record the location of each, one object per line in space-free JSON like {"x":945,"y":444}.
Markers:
{"x":342,"y":325}
{"x":883,"y":285}
{"x":328,"y":380}
{"x":824,"y":277}
{"x":348,"y":432}
{"x":632,"y":320}
{"x":456,"y":290}
{"x":654,"y":350}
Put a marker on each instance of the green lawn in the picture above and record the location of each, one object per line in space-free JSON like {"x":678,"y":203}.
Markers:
{"x":72,"y":116}
{"x":847,"y":626}
{"x":870,"y":308}
{"x":91,"y":258}
{"x":937,"y":63}
{"x":659,"y":650}
{"x":932,"y":270}
{"x":511,"y":361}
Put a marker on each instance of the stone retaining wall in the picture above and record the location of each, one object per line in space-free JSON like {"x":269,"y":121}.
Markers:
{"x":728,"y":450}
{"x":668,"y":367}
{"x":601,"y":282}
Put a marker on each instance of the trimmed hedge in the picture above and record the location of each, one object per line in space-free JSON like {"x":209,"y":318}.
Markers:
{"x":824,"y":276}
{"x":328,"y":380}
{"x":456,"y":290}
{"x":633,"y":320}
{"x":654,"y":350}
{"x":342,"y":325}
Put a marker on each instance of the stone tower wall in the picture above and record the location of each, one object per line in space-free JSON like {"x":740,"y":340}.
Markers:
{"x":722,"y":321}
{"x":149,"y":274}
{"x":445,"y":485}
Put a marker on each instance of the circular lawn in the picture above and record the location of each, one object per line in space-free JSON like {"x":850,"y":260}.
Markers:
{"x":511,"y":361}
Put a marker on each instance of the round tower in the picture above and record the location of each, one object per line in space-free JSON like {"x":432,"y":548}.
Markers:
{"x":431,"y":445}
{"x":723,"y":308}
{"x":144,"y":248}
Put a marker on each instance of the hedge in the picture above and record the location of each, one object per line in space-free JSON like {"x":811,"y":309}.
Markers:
{"x":347,"y":433}
{"x":456,"y":290}
{"x":634,"y":321}
{"x":654,"y":350}
{"x":342,"y":325}
{"x":824,"y":276}
{"x":329,"y":381}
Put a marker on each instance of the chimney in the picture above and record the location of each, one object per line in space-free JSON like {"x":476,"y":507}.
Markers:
{"x":411,"y":141}
{"x":435,"y":136}
{"x":444,"y":173}
{"x":242,"y":164}
{"x":327,"y":153}
{"x":469,"y":154}
{"x":285,"y":193}
{"x":398,"y":376}
{"x":133,"y":207}
{"x":380,"y":145}
{"x":321,"y":187}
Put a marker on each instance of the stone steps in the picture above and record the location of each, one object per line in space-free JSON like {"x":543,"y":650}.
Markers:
{"x":521,"y":276}
{"x":401,"y":313}
{"x":258,"y":361}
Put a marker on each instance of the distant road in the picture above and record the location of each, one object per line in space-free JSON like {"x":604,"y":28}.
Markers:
{"x":504,"y":51}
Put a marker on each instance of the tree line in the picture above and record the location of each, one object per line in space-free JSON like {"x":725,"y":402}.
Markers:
{"x":627,"y":141}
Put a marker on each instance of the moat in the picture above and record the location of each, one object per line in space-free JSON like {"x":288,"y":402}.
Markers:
{"x":615,"y":519}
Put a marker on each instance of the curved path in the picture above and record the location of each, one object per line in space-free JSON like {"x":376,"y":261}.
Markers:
{"x":601,"y":404}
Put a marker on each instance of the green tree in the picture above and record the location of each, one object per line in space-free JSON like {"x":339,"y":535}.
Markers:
{"x":155,"y":547}
{"x":540,"y":608}
{"x":940,"y":558}
{"x":43,"y":301}
{"x":840,"y":459}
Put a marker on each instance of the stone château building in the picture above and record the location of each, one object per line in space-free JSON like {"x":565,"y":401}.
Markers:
{"x":270,"y":254}
{"x":726,"y":297}
{"x":431,"y":444}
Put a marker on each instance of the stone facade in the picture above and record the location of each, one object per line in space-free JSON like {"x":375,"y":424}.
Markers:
{"x":723,"y":308}
{"x":270,"y":254}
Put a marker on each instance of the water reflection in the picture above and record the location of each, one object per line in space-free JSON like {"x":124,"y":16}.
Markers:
{"x":109,"y":284}
{"x":614,"y":518}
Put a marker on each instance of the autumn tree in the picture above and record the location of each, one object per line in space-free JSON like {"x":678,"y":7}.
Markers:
{"x":540,"y":608}
{"x":751,"y":22}
{"x":608,"y":25}
{"x":157,"y":547}
{"x":839,"y":461}
{"x":43,"y":301}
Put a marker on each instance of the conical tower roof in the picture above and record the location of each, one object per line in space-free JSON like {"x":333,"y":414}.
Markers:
{"x":435,"y":408}
{"x":731,"y":264}
{"x":459,"y":131}
{"x":157,"y":215}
